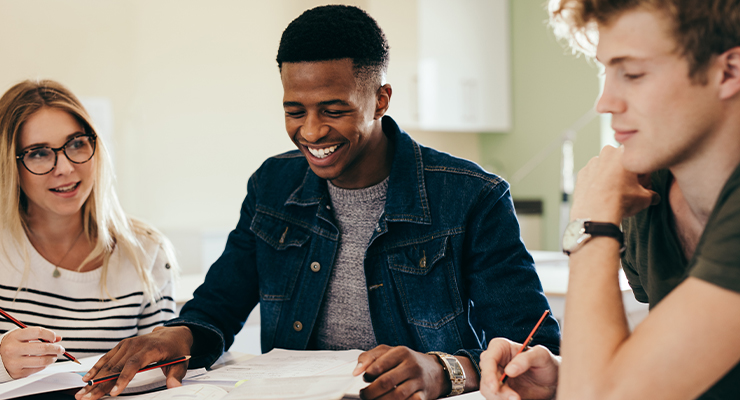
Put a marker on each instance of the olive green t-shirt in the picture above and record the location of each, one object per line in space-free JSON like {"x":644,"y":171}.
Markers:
{"x":655,"y":263}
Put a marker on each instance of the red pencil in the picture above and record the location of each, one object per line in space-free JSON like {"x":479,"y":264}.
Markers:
{"x":22,"y":325}
{"x":529,"y":339}
{"x":147,"y":368}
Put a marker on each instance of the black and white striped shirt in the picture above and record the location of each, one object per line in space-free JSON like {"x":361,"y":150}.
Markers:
{"x":74,"y":305}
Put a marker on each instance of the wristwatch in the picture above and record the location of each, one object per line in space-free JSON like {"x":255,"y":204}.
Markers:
{"x":580,"y":231}
{"x":454,"y":371}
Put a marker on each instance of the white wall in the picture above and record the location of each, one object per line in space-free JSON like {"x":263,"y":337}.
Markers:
{"x":195,"y":91}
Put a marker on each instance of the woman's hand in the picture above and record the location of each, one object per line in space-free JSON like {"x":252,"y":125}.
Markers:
{"x":24,"y":354}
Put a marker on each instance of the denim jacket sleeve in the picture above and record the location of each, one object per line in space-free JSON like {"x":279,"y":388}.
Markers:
{"x":221,"y":305}
{"x":505,"y":297}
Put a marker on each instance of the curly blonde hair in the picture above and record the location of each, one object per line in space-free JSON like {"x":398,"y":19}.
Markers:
{"x":702,"y":29}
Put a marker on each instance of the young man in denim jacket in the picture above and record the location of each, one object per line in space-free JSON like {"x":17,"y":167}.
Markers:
{"x":361,"y":239}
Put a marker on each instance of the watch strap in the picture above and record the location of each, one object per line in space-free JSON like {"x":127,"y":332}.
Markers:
{"x":454,"y":371}
{"x":605,"y":229}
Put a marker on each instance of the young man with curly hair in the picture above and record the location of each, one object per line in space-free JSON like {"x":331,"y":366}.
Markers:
{"x":672,"y":86}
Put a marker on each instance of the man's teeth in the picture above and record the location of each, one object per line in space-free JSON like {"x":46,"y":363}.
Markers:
{"x":65,"y":188}
{"x":322,"y":153}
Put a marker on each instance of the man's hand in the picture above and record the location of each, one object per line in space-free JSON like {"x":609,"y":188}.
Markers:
{"x":606,"y":192}
{"x":533,"y":374}
{"x":401,"y":373}
{"x":130,"y":355}
{"x":23,"y":354}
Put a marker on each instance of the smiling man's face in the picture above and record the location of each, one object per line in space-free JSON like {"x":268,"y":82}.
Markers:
{"x":660,"y":115}
{"x":335,"y":121}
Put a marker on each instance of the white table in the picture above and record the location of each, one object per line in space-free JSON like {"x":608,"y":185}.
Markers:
{"x":552,"y":268}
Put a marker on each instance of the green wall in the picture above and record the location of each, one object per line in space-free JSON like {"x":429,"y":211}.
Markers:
{"x":551,"y":89}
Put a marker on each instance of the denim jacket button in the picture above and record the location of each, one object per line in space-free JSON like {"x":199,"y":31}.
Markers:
{"x":377,"y":228}
{"x":297,"y":326}
{"x":315,"y":267}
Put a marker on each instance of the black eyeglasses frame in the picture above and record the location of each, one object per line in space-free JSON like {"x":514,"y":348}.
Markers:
{"x":93,"y":139}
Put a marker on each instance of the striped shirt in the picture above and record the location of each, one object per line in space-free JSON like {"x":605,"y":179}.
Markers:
{"x":75,"y":306}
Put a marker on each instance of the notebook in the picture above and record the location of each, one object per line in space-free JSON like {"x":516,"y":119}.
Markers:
{"x":68,"y":375}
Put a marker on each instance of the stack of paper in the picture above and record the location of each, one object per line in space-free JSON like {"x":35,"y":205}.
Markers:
{"x":288,"y":374}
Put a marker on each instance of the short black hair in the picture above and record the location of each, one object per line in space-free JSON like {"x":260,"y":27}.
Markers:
{"x":335,"y":32}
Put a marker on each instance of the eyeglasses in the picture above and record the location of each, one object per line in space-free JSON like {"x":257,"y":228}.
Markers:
{"x":42,"y":160}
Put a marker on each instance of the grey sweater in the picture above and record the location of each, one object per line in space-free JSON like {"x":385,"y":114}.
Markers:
{"x":344,"y":318}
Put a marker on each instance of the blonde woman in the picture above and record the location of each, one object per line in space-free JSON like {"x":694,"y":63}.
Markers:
{"x":73,"y":267}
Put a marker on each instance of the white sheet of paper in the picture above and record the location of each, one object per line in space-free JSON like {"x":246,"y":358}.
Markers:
{"x":68,"y":375}
{"x":59,"y":376}
{"x":327,"y":387}
{"x":280,"y":363}
{"x":190,"y":392}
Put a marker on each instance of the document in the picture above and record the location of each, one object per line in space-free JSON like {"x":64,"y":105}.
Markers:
{"x":68,"y":375}
{"x":280,"y":363}
{"x":284,"y":374}
{"x":59,"y":376}
{"x":190,"y":392}
{"x":325,"y":387}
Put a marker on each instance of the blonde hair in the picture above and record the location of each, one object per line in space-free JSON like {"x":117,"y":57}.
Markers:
{"x":103,"y":220}
{"x":702,"y":29}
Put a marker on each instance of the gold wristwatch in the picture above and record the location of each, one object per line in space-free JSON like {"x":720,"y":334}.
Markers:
{"x":454,"y":371}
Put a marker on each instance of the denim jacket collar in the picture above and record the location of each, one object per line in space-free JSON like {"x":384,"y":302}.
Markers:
{"x":406,"y":200}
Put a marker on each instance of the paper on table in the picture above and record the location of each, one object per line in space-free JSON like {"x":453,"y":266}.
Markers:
{"x":353,"y":393}
{"x":59,"y":376}
{"x":327,"y":387}
{"x":194,"y":392}
{"x":280,"y":363}
{"x":68,"y":375}
{"x":471,"y":396}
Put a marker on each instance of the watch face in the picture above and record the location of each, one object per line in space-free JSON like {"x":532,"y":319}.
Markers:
{"x":456,"y":369}
{"x":574,"y":234}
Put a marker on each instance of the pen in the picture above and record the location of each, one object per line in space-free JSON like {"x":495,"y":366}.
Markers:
{"x":147,"y":368}
{"x":525,"y":345}
{"x":23,"y":326}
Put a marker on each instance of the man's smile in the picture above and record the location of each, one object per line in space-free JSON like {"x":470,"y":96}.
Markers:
{"x":322,"y":152}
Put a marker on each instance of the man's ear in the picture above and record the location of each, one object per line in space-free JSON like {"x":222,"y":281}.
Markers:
{"x":730,"y":64}
{"x":383,"y":100}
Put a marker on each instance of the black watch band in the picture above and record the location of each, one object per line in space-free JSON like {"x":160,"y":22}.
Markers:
{"x":605,"y":229}
{"x":579,"y":231}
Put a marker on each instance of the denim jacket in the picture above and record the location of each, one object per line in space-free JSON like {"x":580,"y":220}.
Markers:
{"x":446,"y":269}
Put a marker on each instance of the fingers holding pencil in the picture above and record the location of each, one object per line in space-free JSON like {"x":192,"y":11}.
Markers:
{"x":133,"y":354}
{"x":20,"y":324}
{"x":24,"y":352}
{"x":161,"y":364}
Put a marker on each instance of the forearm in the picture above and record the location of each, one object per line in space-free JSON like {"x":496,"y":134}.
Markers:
{"x":595,"y":321}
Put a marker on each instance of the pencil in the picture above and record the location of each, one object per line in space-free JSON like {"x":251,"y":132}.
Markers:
{"x":23,"y":326}
{"x":147,"y":368}
{"x":525,"y":345}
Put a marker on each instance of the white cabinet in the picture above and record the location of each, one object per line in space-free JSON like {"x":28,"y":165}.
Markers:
{"x":450,"y":63}
{"x":464,"y":65}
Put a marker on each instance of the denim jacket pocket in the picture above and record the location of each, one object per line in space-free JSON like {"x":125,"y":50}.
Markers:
{"x":281,"y":248}
{"x":425,"y":277}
